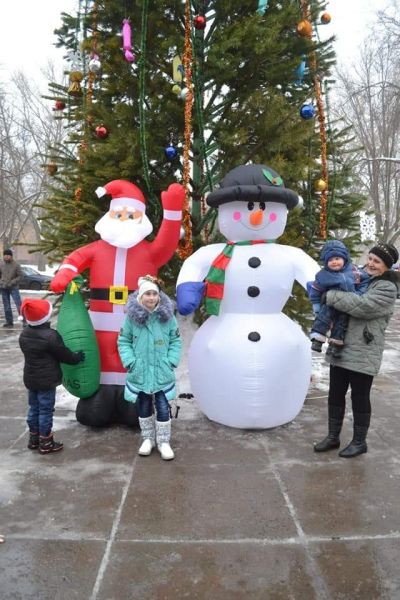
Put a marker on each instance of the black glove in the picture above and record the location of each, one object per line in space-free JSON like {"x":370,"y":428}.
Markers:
{"x":322,"y":300}
{"x":81,"y":355}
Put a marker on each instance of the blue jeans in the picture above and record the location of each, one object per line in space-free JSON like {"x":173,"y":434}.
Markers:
{"x":145,"y":406}
{"x":41,"y":409}
{"x":7,"y":294}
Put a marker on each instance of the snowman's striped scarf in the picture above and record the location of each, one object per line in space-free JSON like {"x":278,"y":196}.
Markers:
{"x":215,"y":279}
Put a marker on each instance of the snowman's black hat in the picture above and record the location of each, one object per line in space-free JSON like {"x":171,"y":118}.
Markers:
{"x":254,"y":183}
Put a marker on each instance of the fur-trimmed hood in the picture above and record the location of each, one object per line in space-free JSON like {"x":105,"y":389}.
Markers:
{"x":140,"y":315}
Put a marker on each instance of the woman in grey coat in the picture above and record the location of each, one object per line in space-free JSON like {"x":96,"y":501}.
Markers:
{"x":361,"y":358}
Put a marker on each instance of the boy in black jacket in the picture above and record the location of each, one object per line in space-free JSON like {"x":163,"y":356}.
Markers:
{"x":43,"y":350}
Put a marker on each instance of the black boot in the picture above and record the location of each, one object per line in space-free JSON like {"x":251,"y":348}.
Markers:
{"x":335,"y":421}
{"x":358,"y":444}
{"x":33,"y":443}
{"x":48,"y":445}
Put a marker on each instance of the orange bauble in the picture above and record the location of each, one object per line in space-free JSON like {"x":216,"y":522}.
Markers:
{"x":304,"y":28}
{"x":325,"y":18}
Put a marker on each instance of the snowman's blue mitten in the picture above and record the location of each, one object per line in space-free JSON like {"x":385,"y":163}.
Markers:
{"x":189,"y":296}
{"x":309,"y":286}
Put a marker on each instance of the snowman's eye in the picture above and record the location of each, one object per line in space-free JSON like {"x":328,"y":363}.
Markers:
{"x":262,"y":205}
{"x":250,"y":205}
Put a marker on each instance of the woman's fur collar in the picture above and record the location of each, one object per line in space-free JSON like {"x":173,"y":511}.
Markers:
{"x":140,"y":314}
{"x":389,"y":275}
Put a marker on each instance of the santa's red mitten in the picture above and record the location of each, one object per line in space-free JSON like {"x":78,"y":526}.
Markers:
{"x":61,"y":280}
{"x":174,"y":197}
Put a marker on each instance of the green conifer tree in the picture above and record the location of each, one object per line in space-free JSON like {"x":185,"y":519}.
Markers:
{"x":248,"y":90}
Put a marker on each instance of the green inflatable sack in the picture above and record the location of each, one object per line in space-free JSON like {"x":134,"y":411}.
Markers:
{"x":76,"y":329}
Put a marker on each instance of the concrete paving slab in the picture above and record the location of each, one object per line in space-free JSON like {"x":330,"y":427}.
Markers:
{"x":49,"y":569}
{"x":208,"y":572}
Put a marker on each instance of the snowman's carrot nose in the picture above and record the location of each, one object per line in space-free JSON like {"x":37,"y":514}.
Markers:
{"x":256,"y":218}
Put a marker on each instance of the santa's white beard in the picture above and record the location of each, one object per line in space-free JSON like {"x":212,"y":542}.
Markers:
{"x":123,"y":234}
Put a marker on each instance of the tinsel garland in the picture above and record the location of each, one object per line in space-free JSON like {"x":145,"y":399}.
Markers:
{"x":186,"y":245}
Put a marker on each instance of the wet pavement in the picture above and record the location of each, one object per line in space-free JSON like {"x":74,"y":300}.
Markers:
{"x":237,"y":514}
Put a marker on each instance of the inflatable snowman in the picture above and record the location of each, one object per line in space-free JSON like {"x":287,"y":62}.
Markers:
{"x":249,"y":364}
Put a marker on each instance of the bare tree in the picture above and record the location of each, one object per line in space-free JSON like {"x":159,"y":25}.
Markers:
{"x":27,"y":131}
{"x":370,"y":103}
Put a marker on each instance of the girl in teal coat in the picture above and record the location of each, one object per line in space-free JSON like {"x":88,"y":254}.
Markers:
{"x":149,"y":345}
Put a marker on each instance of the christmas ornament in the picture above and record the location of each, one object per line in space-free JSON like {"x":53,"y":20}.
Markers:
{"x":177,"y":74}
{"x":307,"y":111}
{"x":304,"y":28}
{"x":183,"y":93}
{"x":170,"y":152}
{"x":76,"y":329}
{"x":320,"y":185}
{"x":94,"y":64}
{"x":325,"y":18}
{"x":52,"y":168}
{"x":367,"y":226}
{"x":199,"y":22}
{"x":262,"y":7}
{"x":101,"y":131}
{"x":300,"y":71}
{"x":127,"y":44}
{"x":75,"y":78}
{"x":59,"y":105}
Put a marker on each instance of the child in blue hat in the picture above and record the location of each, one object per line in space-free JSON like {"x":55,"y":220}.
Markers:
{"x":338,"y":273}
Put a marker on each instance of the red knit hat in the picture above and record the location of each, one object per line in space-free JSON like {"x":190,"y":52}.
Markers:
{"x":36,"y":311}
{"x":123,"y":193}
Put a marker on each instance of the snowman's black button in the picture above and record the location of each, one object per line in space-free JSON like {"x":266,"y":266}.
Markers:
{"x":253,"y":291}
{"x":254,"y":336}
{"x":254,"y":262}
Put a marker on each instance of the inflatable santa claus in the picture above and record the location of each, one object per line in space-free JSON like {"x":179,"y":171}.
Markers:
{"x":115,"y":263}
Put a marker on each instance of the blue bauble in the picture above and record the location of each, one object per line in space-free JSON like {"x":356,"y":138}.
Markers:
{"x":307,"y":111}
{"x":170,"y":152}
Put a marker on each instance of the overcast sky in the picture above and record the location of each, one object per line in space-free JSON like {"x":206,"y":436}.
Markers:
{"x":28,"y":45}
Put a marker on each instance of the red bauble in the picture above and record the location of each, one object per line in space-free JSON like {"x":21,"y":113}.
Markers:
{"x":101,"y":131}
{"x":59,"y":105}
{"x":325,"y":18}
{"x":199,"y":22}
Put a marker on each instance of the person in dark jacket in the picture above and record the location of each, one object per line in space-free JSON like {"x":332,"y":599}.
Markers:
{"x":369,"y":315}
{"x":43,"y":350}
{"x":10,"y":277}
{"x":337,"y":274}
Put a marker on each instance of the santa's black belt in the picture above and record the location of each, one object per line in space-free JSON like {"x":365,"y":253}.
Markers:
{"x":116,"y":294}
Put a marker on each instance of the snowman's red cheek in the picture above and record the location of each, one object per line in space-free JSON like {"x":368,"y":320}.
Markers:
{"x":237,"y":215}
{"x":272,"y":217}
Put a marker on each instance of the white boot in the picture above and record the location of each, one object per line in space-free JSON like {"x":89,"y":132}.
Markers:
{"x":148,"y":435}
{"x":163,"y":435}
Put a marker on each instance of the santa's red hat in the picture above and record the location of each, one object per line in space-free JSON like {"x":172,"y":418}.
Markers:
{"x":36,"y":311}
{"x":123,"y":193}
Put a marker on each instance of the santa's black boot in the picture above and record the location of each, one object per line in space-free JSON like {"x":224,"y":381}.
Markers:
{"x":335,"y":421}
{"x":358,"y":444}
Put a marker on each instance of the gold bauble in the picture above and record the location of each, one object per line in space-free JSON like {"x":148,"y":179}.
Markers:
{"x":320,"y":185}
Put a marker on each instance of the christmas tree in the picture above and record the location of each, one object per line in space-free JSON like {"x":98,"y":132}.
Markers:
{"x":214,"y":84}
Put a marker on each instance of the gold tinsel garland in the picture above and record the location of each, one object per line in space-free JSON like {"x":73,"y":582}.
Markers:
{"x":185,"y":247}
